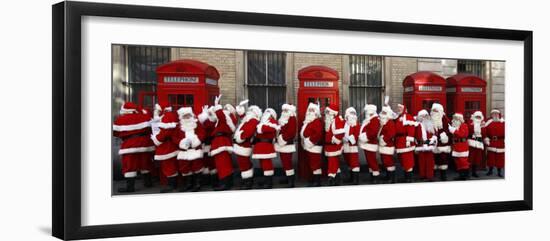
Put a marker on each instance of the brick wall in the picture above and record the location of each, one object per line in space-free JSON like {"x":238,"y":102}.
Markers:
{"x":497,"y":85}
{"x":396,"y":69}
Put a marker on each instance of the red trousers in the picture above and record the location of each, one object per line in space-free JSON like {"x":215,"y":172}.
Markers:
{"x":209,"y":164}
{"x":244,"y":163}
{"x":372,"y":162}
{"x":134,"y":162}
{"x":267,"y":167}
{"x":187,"y":168}
{"x":169,"y":167}
{"x":333,"y":165}
{"x":407,"y":161}
{"x":462,"y":163}
{"x":352,"y":159}
{"x":286,"y":161}
{"x":223,"y":164}
{"x":495,"y":159}
{"x":475,"y":155}
{"x":314,"y":161}
{"x":387,"y":160}
{"x":426,"y":164}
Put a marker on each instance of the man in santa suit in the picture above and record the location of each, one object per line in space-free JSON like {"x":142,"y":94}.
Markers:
{"x":133,"y":128}
{"x":495,"y":142}
{"x":443,"y":149}
{"x":476,"y":134}
{"x":311,"y":135}
{"x":166,"y":148}
{"x":207,"y":120}
{"x":426,"y":142}
{"x":284,"y":144}
{"x":405,"y":126}
{"x":386,"y":136}
{"x":459,"y":131}
{"x":189,"y":137}
{"x":264,"y":149}
{"x":221,"y":147}
{"x":351,"y":152}
{"x":334,"y":134}
{"x":368,"y":140}
{"x":240,"y":110}
{"x":242,"y":147}
{"x":228,"y":108}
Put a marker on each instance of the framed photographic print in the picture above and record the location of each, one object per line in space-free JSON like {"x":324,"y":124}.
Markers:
{"x":169,"y":120}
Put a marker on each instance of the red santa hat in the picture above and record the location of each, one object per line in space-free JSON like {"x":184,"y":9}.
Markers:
{"x":315,"y":107}
{"x":271,"y":112}
{"x":350,"y":111}
{"x":290,"y":108}
{"x":184,"y":111}
{"x":495,"y":111}
{"x":476,"y":114}
{"x":421,"y":113}
{"x":438,"y":107}
{"x":459,"y":116}
{"x":369,"y":108}
{"x":128,"y":108}
{"x":332,"y":109}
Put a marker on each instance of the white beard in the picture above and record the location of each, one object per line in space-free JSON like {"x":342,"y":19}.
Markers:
{"x":265,"y":118}
{"x":351,"y":120}
{"x":384,"y":119}
{"x":437,"y":119}
{"x":284,"y":118}
{"x":428,"y":125}
{"x":188,"y":124}
{"x":456,"y":123}
{"x":328,"y":121}
{"x":310,"y":116}
{"x":477,"y":127}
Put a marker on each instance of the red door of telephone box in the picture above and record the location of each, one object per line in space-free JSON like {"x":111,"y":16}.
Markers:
{"x":187,"y":83}
{"x":422,"y":89}
{"x":466,"y":94}
{"x":318,"y":84}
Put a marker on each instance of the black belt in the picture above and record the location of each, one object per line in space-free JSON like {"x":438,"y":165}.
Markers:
{"x":477,"y":139}
{"x":495,"y":138}
{"x":459,"y":139}
{"x":221,"y":134}
{"x":291,"y":142}
{"x":256,"y":140}
{"x":134,"y":135}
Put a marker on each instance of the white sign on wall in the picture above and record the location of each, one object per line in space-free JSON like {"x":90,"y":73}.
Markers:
{"x":321,"y":84}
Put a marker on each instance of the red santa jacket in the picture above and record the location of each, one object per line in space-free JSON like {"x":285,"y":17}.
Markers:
{"x":495,"y":135}
{"x":368,"y":134}
{"x":265,"y":133}
{"x":222,"y":133}
{"x":405,"y":127}
{"x":311,"y":134}
{"x":285,"y":138}
{"x":460,"y":141}
{"x":189,"y":142}
{"x":386,"y":144}
{"x":334,"y":136}
{"x":426,"y":140}
{"x":166,"y":147}
{"x":475,"y":140}
{"x":134,"y":130}
{"x":208,"y":127}
{"x":243,"y":136}
{"x":443,"y":138}
{"x":351,"y":137}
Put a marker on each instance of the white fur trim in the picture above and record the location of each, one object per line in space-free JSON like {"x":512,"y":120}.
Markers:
{"x":195,"y":141}
{"x":269,"y":173}
{"x":338,"y":131}
{"x":214,"y":171}
{"x":229,"y":121}
{"x":406,"y":149}
{"x":264,"y":156}
{"x":206,"y":148}
{"x":386,"y":150}
{"x":242,"y":151}
{"x":155,"y":140}
{"x":369,"y":147}
{"x":314,"y":149}
{"x":408,"y":122}
{"x":237,"y":136}
{"x":444,"y":138}
{"x":199,"y":171}
{"x":391,"y":169}
{"x":375,"y":173}
{"x":332,"y":175}
{"x":351,"y":139}
{"x":333,"y":153}
{"x":286,"y":148}
{"x":410,"y":139}
{"x":443,"y":149}
{"x":356,"y":169}
{"x":205,"y":171}
{"x":475,"y":144}
{"x":248,"y":173}
{"x":350,"y":149}
{"x":240,"y":110}
{"x":317,"y":172}
{"x":167,"y":156}
{"x":280,"y":140}
{"x":460,"y":154}
{"x":497,"y":150}
{"x":133,"y":127}
{"x":189,"y":155}
{"x":259,"y":127}
{"x":130,"y":174}
{"x":136,"y":150}
{"x":443,"y":167}
{"x":170,"y":125}
{"x":424,"y":148}
{"x":289,"y":172}
{"x":221,"y":149}
{"x":308,"y":143}
{"x":336,"y":140}
{"x":186,"y":174}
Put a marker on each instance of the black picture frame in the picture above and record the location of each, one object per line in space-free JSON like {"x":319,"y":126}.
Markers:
{"x":66,"y":88}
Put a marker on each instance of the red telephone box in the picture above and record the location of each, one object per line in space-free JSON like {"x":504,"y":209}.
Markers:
{"x":422,"y":89}
{"x":317,"y":84}
{"x":187,"y":83}
{"x":466,"y":94}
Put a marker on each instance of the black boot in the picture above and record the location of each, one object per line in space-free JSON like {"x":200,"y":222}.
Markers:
{"x":315,"y":181}
{"x":290,"y":179}
{"x":408,"y":177}
{"x":332,"y":181}
{"x":355,"y":177}
{"x":187,"y":183}
{"x":474,"y":171}
{"x":349,"y":179}
{"x":268,"y":182}
{"x":284,"y":180}
{"x":247,"y":183}
{"x":147,"y":180}
{"x":374,"y":179}
{"x":205,"y":179}
{"x":490,"y":172}
{"x":391,"y":177}
{"x":214,"y":180}
{"x":499,"y":172}
{"x":196,"y":183}
{"x":172,"y":185}
{"x":443,"y":175}
{"x":130,"y":185}
{"x":224,"y":184}
{"x":338,"y":179}
{"x":462,"y":175}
